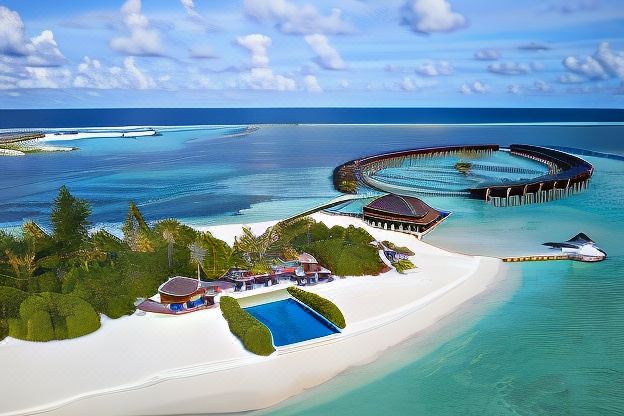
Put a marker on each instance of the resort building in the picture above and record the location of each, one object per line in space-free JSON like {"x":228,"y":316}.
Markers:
{"x":182,"y":294}
{"x":402,"y":213}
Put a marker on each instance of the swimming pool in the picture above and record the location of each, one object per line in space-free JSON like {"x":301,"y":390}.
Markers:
{"x":290,"y":322}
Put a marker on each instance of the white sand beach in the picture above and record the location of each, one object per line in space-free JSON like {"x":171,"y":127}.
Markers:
{"x":190,"y":364}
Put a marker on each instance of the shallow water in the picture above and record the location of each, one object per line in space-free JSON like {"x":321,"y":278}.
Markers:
{"x":554,"y":347}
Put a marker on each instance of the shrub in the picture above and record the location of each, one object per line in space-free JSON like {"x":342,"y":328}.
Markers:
{"x":39,"y":327}
{"x":48,"y":282}
{"x":321,"y":305}
{"x":403,"y":265}
{"x":49,"y":316}
{"x":345,"y":259}
{"x":398,"y":249}
{"x":253,"y":334}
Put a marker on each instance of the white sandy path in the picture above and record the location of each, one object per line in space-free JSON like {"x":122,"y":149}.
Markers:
{"x":155,"y":365}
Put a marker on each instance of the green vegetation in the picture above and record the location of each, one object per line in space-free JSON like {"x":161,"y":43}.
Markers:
{"x":49,"y":316}
{"x":254,"y":335}
{"x":54,"y":285}
{"x":403,"y":265}
{"x":345,"y":251}
{"x":348,"y":187}
{"x":321,"y":305}
{"x":61,"y":272}
{"x":463,"y":167}
{"x":398,"y":249}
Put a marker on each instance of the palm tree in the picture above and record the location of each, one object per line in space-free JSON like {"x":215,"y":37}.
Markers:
{"x":169,"y":237}
{"x":197,"y":256}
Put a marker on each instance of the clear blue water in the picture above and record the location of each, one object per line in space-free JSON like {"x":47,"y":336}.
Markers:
{"x":290,"y":322}
{"x":87,"y":117}
{"x":553,"y":346}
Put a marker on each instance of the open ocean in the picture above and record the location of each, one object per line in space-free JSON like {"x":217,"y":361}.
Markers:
{"x":548,"y":341}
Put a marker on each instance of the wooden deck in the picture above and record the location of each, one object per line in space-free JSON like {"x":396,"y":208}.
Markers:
{"x":540,"y":257}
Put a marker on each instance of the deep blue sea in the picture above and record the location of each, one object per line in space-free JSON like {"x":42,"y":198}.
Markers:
{"x":548,"y":341}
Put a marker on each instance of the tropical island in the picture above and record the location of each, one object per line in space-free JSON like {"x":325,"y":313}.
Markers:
{"x":243,"y":299}
{"x":86,"y":290}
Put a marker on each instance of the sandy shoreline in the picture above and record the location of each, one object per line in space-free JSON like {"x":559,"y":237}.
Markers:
{"x":158,"y":365}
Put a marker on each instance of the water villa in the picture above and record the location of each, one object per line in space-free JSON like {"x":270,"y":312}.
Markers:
{"x":402,"y":213}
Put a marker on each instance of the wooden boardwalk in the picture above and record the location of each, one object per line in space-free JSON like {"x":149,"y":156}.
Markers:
{"x":539,"y":257}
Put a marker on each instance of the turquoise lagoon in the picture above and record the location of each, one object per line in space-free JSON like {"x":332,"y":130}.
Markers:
{"x":549,"y":340}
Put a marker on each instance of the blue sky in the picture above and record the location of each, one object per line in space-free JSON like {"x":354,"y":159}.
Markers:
{"x":390,"y":53}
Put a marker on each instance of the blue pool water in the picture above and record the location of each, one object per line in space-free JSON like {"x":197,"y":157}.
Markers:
{"x":290,"y":322}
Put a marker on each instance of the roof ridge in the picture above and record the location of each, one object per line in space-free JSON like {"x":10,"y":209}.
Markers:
{"x":409,"y":206}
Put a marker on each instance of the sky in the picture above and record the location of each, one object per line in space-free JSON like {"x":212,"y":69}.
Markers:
{"x":298,"y":53}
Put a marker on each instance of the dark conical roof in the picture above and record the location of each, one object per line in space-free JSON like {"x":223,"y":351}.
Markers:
{"x":406,"y":206}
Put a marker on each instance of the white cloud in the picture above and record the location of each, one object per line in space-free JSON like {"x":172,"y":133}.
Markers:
{"x":311,"y":84}
{"x":39,"y":51}
{"x":434,"y":69}
{"x":611,"y":61}
{"x":509,"y":68}
{"x":142,"y":40}
{"x":293,"y":19}
{"x":12,"y":38}
{"x":412,"y":84}
{"x":258,"y":45}
{"x":604,"y":64}
{"x":265,"y":79}
{"x":39,"y":77}
{"x":487,"y":54}
{"x":92,"y":74}
{"x":586,"y":66}
{"x":407,"y":84}
{"x":327,"y":56}
{"x":44,"y":51}
{"x":260,"y":75}
{"x":344,"y":84}
{"x":476,"y":87}
{"x":189,"y":6}
{"x":432,"y":16}
{"x":514,"y":89}
{"x":195,"y":17}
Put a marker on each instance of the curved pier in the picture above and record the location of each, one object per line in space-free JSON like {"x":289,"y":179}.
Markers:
{"x":567,"y":174}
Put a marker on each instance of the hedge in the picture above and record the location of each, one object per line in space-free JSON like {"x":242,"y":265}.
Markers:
{"x":49,"y":316}
{"x":254,"y":335}
{"x":321,"y":305}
